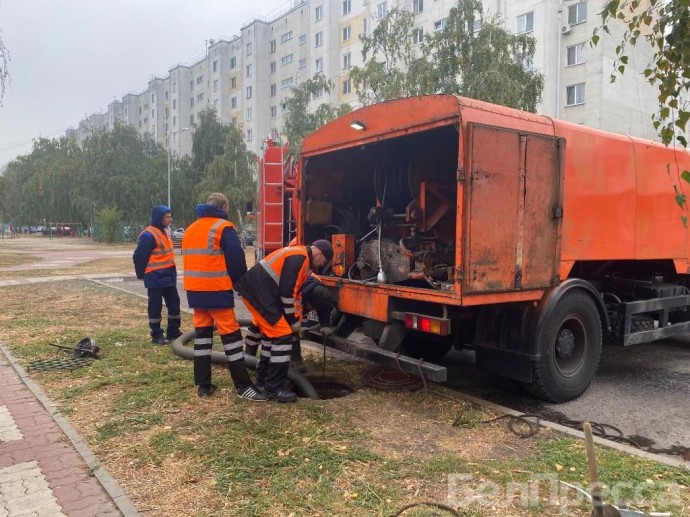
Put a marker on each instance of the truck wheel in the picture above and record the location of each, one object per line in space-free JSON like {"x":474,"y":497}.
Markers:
{"x":570,"y":346}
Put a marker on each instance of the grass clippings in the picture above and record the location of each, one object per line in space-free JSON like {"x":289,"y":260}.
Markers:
{"x":370,"y":453}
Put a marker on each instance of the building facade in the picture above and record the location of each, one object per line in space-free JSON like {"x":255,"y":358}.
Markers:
{"x":247,"y":78}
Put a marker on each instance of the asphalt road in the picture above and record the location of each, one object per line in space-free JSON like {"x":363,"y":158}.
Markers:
{"x":643,"y":390}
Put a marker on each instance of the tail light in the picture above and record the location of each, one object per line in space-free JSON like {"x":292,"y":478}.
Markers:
{"x":439,"y":326}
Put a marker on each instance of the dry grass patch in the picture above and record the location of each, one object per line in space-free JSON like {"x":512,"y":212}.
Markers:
{"x":175,"y":454}
{"x":9,"y":258}
{"x":114,"y":265}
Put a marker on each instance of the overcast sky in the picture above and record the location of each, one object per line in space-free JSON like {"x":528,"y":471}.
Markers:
{"x":71,"y":58}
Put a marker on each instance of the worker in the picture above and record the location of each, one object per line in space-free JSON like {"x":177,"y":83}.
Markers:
{"x":270,"y":290}
{"x":154,"y":262}
{"x":213,"y":263}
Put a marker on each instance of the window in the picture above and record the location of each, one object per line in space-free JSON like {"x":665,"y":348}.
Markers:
{"x":191,"y":85}
{"x":286,"y":37}
{"x":319,"y":65}
{"x":200,"y":79}
{"x":347,"y":86}
{"x":476,"y":26}
{"x":440,"y":24}
{"x":233,"y":63}
{"x":286,"y":59}
{"x":215,"y":104}
{"x":215,"y":85}
{"x":153,"y":113}
{"x":417,"y":36}
{"x":248,"y":114}
{"x":249,"y":49}
{"x":174,"y":88}
{"x":381,"y":10}
{"x":174,"y":121}
{"x":417,"y":6}
{"x":525,"y":23}
{"x":140,"y":110}
{"x":200,"y":97}
{"x":318,"y":93}
{"x":575,"y":94}
{"x":249,"y":70}
{"x":153,"y":128}
{"x":272,"y":66}
{"x":233,"y":82}
{"x":318,"y":39}
{"x":233,"y":103}
{"x":527,"y":63}
{"x":166,"y":127}
{"x":174,"y":104}
{"x":250,"y":135}
{"x":215,"y":66}
{"x":274,"y":112}
{"x":191,"y":120}
{"x":153,"y":97}
{"x":146,"y":120}
{"x":318,"y":12}
{"x":347,"y":61}
{"x":191,"y":102}
{"x":347,"y":33}
{"x":576,"y":54}
{"x":234,"y":121}
{"x":284,"y":106}
{"x":347,"y":6}
{"x":302,"y":39}
{"x":285,"y":83}
{"x":249,"y":92}
{"x":166,"y":96}
{"x":272,"y":46}
{"x":274,"y":89}
{"x":303,"y":62}
{"x":577,"y":13}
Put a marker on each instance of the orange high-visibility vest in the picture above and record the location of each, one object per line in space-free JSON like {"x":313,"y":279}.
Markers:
{"x":163,"y":255}
{"x":273,"y":265}
{"x":204,"y":261}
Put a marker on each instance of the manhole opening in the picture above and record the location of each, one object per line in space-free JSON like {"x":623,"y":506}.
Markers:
{"x":329,"y":387}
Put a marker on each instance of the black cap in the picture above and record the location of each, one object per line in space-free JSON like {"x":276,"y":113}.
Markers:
{"x":325,"y":248}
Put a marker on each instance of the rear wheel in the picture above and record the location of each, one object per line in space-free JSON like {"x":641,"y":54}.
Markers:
{"x":570,"y":346}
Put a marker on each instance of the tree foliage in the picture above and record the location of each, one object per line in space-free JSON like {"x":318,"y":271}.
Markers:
{"x":485,"y":64}
{"x":232,"y":173}
{"x":665,"y":25}
{"x":299,"y":120}
{"x":208,"y":140}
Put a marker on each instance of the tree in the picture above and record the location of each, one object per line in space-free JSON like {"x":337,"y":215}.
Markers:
{"x":234,"y":174}
{"x":208,"y":140}
{"x":486,"y":63}
{"x":665,"y":25}
{"x":392,"y":68}
{"x":299,"y":121}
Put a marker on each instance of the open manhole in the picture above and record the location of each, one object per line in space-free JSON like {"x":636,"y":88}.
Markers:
{"x":329,"y":387}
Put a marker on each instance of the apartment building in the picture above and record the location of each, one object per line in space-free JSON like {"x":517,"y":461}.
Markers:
{"x":248,"y":77}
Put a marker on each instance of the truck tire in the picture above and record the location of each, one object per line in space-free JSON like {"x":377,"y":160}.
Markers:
{"x":570,"y":346}
{"x":638,"y":323}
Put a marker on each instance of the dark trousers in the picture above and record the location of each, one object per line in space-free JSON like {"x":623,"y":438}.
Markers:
{"x":172,"y":302}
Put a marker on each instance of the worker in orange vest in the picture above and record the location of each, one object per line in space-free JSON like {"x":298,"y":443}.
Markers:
{"x":270,"y":290}
{"x":154,"y":262}
{"x":213,"y":263}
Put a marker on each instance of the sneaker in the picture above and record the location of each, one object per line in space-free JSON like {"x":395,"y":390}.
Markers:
{"x":206,"y":390}
{"x":252,"y":393}
{"x":159,"y":341}
{"x":282,"y":395}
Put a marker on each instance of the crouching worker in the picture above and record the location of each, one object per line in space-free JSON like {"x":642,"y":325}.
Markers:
{"x":154,"y":262}
{"x":270,"y":291}
{"x":213,"y":262}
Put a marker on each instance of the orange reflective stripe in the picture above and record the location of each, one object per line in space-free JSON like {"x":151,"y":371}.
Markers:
{"x":163,"y":254}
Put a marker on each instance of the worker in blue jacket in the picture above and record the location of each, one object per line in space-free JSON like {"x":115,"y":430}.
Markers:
{"x":154,"y":262}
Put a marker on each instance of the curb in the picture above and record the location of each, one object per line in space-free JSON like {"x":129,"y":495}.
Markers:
{"x":109,"y":484}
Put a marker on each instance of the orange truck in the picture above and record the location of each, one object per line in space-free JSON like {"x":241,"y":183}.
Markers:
{"x":530,"y":240}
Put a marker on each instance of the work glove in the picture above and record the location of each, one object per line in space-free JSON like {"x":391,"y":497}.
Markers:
{"x":327,"y":331}
{"x":297,"y":328}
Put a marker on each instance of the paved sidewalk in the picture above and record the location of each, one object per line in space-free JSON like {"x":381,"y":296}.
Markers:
{"x":46,"y":470}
